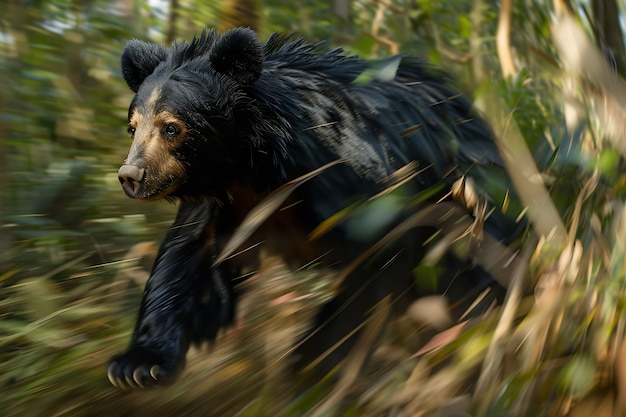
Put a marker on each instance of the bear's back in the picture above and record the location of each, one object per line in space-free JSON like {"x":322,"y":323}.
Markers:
{"x":376,"y":115}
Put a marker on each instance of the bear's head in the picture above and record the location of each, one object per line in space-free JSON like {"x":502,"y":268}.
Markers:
{"x":192,"y":117}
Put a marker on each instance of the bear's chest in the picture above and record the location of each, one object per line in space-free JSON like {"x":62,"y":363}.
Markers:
{"x":268,"y":226}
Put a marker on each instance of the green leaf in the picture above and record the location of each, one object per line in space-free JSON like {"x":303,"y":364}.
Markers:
{"x":578,"y":375}
{"x":383,"y":70}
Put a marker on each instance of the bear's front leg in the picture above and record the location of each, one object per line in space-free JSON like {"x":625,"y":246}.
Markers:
{"x":185,"y":300}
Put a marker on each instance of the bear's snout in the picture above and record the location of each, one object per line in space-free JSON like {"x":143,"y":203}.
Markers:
{"x":130,"y":177}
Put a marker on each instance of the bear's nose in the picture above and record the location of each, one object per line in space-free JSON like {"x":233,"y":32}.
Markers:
{"x":130,"y":177}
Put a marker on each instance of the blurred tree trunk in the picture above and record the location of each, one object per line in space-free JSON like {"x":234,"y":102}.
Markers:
{"x":237,"y":13}
{"x":342,"y":9}
{"x":609,"y":34}
{"x":475,"y":42}
{"x":171,"y":22}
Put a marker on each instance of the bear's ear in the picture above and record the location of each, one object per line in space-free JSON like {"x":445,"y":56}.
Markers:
{"x":139,"y":59}
{"x":238,"y":54}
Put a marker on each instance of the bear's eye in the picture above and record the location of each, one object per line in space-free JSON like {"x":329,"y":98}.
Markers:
{"x":131,"y":130}
{"x":171,"y":130}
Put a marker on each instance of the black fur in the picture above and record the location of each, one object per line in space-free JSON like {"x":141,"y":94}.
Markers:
{"x":258,"y":115}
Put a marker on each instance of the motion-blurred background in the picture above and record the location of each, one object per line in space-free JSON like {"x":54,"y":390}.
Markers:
{"x":75,"y":253}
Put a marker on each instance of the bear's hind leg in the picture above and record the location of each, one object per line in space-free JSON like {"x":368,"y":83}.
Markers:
{"x":381,"y":285}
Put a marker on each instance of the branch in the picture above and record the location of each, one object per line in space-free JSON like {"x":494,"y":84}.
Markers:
{"x":377,"y":23}
{"x":503,"y":41}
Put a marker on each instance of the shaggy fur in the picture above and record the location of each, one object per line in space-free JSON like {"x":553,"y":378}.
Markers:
{"x":220,"y":122}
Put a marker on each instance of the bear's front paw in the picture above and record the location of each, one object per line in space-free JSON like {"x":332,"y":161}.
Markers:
{"x":142,"y":367}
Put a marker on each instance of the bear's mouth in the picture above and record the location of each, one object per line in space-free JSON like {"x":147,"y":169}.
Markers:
{"x":164,"y":192}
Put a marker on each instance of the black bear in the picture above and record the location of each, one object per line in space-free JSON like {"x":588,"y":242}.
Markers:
{"x":220,"y":122}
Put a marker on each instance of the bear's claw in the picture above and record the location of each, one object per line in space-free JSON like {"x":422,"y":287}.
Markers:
{"x":154,"y":371}
{"x":141,"y":377}
{"x":137,"y":369}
